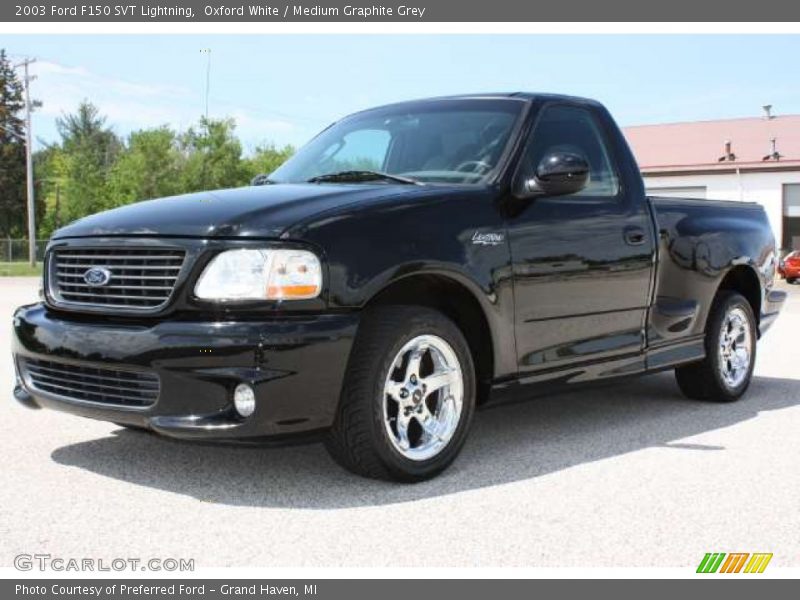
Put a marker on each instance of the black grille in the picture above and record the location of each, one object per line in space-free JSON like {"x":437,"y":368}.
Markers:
{"x":91,"y":384}
{"x":140,"y":278}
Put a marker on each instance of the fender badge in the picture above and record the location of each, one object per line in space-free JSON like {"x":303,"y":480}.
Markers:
{"x":487,"y":239}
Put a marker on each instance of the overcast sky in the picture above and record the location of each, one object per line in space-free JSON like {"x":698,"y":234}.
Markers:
{"x":284,"y":88}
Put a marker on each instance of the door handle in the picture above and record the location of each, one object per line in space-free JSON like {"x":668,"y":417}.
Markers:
{"x":635,"y":236}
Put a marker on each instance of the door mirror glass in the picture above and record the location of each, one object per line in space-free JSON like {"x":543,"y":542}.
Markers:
{"x":559,"y":173}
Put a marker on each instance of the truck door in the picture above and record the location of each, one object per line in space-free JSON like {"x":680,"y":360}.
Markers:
{"x":582,"y":262}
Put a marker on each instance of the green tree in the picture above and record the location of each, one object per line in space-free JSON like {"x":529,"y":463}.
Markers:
{"x":213,"y":156}
{"x":266,"y":159}
{"x":50,"y":169}
{"x":86,"y":129}
{"x":150,"y":167}
{"x":90,"y":150}
{"x":12,"y":152}
{"x":91,"y":169}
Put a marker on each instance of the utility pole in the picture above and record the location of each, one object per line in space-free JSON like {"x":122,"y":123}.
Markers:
{"x":29,"y":160}
{"x":207,"y":52}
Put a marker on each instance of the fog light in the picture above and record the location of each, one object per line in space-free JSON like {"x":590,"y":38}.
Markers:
{"x":244,"y":399}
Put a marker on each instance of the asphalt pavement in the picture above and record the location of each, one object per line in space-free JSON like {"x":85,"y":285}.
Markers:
{"x":630,"y":474}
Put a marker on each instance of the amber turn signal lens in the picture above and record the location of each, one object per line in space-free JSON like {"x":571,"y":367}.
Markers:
{"x":289,"y":292}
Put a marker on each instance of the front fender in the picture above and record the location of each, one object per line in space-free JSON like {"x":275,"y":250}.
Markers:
{"x":370,"y":247}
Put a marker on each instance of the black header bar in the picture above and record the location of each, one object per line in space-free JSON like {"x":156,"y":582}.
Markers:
{"x":472,"y":11}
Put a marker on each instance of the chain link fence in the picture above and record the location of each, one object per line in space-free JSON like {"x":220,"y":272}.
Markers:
{"x":16,"y":250}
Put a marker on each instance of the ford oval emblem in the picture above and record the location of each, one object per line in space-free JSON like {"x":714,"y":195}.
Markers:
{"x":97,"y":276}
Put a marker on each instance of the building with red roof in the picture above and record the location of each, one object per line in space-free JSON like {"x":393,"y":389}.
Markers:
{"x":749,"y":159}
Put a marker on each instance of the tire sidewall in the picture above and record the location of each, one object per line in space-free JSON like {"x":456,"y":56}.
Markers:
{"x":427,"y":322}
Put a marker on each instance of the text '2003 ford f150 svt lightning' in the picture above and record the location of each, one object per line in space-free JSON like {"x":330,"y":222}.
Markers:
{"x":410,"y":263}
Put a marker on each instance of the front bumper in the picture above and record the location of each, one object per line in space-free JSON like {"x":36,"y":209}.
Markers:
{"x":296,"y":366}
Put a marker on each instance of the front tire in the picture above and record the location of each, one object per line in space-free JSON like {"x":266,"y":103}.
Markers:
{"x":725,"y":373}
{"x":791,"y":280}
{"x":408,"y":398}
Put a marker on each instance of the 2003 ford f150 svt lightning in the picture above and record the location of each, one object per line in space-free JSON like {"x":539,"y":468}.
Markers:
{"x":410,"y":263}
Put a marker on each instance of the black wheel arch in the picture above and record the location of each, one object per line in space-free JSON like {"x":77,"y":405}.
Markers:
{"x":744,"y":279}
{"x":457,"y":299}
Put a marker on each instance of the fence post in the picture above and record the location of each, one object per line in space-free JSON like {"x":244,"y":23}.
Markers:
{"x":9,"y":259}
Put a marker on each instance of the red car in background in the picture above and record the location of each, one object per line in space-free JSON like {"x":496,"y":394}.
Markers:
{"x":789,"y":267}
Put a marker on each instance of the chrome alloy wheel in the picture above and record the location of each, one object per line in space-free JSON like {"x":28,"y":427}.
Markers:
{"x":735,"y":348}
{"x":423,"y":397}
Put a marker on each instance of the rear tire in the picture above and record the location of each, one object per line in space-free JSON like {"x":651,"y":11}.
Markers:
{"x":725,"y":373}
{"x":392,"y":423}
{"x":791,"y":280}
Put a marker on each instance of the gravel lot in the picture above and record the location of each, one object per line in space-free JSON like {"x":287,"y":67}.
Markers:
{"x":626,"y":475}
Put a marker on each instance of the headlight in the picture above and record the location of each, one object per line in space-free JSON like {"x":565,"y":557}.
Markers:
{"x":261,"y":275}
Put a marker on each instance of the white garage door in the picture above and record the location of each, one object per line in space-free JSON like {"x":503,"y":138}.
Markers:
{"x":697,"y":191}
{"x":791,"y":216}
{"x":791,"y":196}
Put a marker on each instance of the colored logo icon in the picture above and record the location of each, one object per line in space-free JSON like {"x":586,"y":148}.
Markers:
{"x":734,"y":562}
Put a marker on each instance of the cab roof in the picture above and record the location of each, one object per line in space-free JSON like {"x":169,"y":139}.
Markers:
{"x":518,"y":96}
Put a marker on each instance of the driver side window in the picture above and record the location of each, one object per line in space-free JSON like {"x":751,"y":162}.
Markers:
{"x":573,"y":130}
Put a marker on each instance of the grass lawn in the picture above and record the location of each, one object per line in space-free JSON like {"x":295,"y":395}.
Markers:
{"x":19,"y":269}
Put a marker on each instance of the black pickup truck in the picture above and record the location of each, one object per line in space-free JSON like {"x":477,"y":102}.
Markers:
{"x":409,"y":264}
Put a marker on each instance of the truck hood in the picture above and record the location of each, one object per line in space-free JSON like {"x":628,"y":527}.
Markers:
{"x":258,"y":211}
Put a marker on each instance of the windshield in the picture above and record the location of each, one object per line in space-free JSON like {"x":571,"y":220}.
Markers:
{"x":445,"y":141}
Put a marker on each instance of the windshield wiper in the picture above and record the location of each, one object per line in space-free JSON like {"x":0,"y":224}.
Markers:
{"x":357,"y":176}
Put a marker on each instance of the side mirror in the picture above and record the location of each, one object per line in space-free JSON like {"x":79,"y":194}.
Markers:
{"x":558,"y":174}
{"x":261,"y":179}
